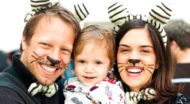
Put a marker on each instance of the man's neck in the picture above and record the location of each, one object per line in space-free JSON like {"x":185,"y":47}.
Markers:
{"x":183,"y":56}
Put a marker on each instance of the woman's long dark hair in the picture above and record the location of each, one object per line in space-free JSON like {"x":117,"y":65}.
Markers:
{"x":161,"y":79}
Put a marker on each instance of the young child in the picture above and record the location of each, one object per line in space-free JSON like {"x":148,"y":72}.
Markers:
{"x":93,"y":59}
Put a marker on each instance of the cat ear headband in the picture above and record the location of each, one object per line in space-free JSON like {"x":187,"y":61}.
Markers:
{"x":80,"y":10}
{"x":157,"y":16}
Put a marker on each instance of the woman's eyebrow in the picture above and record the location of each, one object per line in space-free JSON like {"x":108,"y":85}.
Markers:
{"x":124,"y":45}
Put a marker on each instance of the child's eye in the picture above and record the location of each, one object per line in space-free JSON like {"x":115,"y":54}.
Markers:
{"x":81,"y":61}
{"x":98,"y":62}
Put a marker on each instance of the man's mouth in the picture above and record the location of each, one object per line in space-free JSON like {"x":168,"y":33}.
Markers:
{"x":48,"y":68}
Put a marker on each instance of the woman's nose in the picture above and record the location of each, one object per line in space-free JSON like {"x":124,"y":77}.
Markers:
{"x":134,"y":58}
{"x":133,"y":61}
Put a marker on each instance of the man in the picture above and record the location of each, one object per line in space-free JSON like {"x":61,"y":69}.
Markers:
{"x":3,"y":61}
{"x":46,"y":49}
{"x":178,"y":32}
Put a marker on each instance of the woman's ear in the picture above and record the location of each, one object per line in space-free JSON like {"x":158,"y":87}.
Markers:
{"x":157,"y":66}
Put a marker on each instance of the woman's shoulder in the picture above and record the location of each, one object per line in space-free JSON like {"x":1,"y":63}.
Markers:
{"x":182,"y":99}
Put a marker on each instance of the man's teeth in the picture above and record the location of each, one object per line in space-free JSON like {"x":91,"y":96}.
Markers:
{"x":49,"y":69}
{"x":134,"y":70}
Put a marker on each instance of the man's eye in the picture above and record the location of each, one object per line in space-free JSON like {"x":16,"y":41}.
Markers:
{"x":45,"y":45}
{"x":66,"y":51}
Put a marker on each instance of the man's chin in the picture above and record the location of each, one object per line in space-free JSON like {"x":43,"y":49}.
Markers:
{"x":47,"y":82}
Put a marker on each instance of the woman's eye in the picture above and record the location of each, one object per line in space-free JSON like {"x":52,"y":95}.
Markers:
{"x":124,"y":50}
{"x":145,"y":51}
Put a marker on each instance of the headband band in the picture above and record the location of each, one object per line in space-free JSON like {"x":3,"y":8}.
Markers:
{"x":80,"y":10}
{"x":158,"y":17}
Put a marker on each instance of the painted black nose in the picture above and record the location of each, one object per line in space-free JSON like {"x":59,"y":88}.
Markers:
{"x":134,"y":61}
{"x":53,"y":62}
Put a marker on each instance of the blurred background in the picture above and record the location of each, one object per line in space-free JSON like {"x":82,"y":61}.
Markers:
{"x":13,"y":13}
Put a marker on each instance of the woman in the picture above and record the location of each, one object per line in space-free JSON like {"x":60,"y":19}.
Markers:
{"x":144,"y":65}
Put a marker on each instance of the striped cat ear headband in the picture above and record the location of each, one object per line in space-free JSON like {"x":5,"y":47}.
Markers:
{"x":80,"y":10}
{"x":158,"y":17}
{"x":37,"y":6}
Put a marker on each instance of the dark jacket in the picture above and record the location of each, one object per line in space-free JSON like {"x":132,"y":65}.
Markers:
{"x":182,"y":76}
{"x":14,"y":83}
{"x":3,"y":61}
{"x":179,"y":99}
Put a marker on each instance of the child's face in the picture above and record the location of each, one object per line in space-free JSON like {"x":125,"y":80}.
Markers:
{"x":92,"y":64}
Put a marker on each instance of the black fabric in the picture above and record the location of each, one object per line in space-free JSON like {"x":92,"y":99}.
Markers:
{"x":14,"y":82}
{"x":183,"y":71}
{"x":3,"y":61}
{"x":179,"y":99}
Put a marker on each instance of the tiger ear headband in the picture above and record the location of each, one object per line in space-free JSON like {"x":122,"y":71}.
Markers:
{"x":157,"y":16}
{"x":80,"y":10}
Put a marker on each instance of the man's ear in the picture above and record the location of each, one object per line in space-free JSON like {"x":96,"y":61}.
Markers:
{"x":174,"y":45}
{"x":23,"y":43}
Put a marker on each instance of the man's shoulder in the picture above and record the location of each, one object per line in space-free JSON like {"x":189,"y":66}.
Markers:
{"x":10,"y":91}
{"x":9,"y":95}
{"x":7,"y":81}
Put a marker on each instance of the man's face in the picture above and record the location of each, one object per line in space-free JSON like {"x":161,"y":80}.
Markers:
{"x":48,"y":52}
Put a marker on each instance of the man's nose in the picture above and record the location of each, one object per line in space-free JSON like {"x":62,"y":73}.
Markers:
{"x":53,"y":61}
{"x":54,"y":58}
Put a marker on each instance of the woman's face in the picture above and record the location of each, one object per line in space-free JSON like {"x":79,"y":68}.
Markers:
{"x":136,"y":58}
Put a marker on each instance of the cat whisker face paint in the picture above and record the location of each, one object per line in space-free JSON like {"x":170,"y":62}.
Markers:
{"x":47,"y":60}
{"x":136,"y":64}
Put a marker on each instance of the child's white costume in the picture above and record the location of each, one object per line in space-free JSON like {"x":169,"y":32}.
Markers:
{"x":105,"y":92}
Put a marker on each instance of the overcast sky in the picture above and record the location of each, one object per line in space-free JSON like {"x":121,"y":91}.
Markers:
{"x":13,"y":13}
